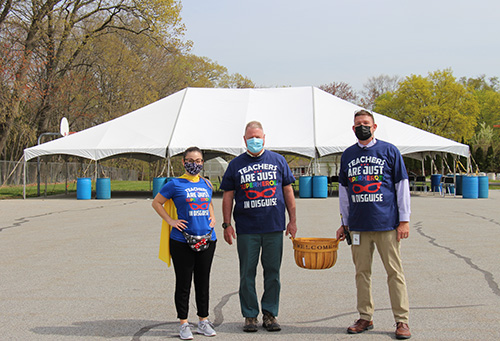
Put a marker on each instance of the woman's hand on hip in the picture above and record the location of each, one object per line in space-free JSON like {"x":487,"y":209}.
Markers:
{"x":179,"y":224}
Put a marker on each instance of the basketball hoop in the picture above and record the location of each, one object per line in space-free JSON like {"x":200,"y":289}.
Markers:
{"x":64,"y":127}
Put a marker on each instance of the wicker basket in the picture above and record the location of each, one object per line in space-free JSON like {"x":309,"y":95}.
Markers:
{"x":315,"y":253}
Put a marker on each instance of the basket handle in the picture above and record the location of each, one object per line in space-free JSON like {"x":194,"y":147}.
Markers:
{"x":337,"y":241}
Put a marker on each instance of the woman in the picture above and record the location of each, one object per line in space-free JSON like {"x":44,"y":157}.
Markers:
{"x":192,"y":196}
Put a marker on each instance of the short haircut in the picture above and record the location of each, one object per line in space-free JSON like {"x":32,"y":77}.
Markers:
{"x":254,"y":124}
{"x":364,"y":112}
{"x":190,"y":150}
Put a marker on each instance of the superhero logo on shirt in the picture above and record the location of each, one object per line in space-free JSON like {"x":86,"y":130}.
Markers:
{"x":258,"y":182}
{"x":199,"y":201}
{"x":365,"y":174}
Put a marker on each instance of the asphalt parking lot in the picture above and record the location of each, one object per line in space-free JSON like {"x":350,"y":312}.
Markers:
{"x":88,"y":270}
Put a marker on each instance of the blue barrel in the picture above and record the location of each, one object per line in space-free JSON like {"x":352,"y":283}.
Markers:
{"x":458,"y":184}
{"x":83,"y":188}
{"x":158,"y":184}
{"x":436,"y":182}
{"x":103,"y":188}
{"x":470,"y":187}
{"x":305,"y":187}
{"x":320,"y":186}
{"x":483,"y":184}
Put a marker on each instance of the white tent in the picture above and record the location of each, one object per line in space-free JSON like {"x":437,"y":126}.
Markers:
{"x":303,"y":120}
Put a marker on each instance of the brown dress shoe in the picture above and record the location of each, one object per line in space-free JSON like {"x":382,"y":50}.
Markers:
{"x":360,"y":326}
{"x":402,"y":331}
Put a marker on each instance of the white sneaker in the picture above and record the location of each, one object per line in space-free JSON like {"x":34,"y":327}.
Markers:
{"x":185,"y":332}
{"x":206,"y":328}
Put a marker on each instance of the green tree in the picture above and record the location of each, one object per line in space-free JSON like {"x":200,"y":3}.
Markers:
{"x":437,"y":103}
{"x":235,"y":81}
{"x":185,"y":70}
{"x":487,"y":93}
{"x":479,"y":157}
{"x":484,"y":138}
{"x":490,"y":160}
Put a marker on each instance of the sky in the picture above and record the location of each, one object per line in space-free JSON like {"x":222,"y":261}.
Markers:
{"x":316,"y":42}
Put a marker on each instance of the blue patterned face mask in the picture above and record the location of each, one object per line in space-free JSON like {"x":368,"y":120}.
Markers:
{"x":255,"y":145}
{"x":193,"y":168}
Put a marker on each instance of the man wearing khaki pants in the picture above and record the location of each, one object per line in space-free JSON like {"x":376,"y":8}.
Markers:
{"x":374,"y":198}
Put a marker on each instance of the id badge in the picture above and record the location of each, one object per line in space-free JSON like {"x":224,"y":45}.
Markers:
{"x":356,"y":238}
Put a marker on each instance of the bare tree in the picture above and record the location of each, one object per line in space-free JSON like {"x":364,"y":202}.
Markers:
{"x":377,"y":86}
{"x":341,"y":90}
{"x":51,"y":36}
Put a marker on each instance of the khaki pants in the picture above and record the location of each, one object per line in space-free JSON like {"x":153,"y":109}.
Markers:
{"x":388,"y":249}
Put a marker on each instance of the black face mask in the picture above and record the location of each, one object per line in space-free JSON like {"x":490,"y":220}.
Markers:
{"x":363,"y":133}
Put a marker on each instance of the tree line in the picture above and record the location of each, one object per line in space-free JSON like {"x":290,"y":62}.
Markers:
{"x":92,"y":61}
{"x":465,"y":110}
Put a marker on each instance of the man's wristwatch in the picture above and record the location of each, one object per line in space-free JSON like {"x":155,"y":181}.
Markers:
{"x":225,"y":225}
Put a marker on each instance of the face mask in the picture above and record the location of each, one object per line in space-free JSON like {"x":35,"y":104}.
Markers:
{"x":255,"y":145}
{"x":193,"y":168}
{"x":363,"y":133}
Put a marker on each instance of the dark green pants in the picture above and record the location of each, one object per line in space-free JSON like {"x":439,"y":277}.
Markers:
{"x":249,"y":250}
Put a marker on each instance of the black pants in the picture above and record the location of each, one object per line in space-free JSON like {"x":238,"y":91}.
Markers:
{"x":186,"y":263}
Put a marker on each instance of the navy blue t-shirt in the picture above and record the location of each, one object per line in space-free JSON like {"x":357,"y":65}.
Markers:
{"x":192,"y":201}
{"x":258,"y":183}
{"x":370,"y":175}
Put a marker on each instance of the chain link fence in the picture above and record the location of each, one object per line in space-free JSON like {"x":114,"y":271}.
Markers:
{"x":11,"y":172}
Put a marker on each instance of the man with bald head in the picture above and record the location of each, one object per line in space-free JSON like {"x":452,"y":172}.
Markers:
{"x":259,"y":183}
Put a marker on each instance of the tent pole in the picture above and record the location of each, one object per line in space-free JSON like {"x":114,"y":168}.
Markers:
{"x":67,"y":175}
{"x":24,"y":178}
{"x":168,"y":167}
{"x":455,"y":174}
{"x":38,"y":176}
{"x":309,"y":167}
{"x":95,"y":174}
{"x":46,"y":178}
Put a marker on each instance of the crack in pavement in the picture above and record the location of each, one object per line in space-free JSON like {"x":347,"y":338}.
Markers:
{"x":493,"y":221}
{"x":219,"y":318}
{"x":23,"y":220}
{"x":488,"y":276}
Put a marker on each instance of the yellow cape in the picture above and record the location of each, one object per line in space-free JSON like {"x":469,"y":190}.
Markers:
{"x":171,"y":210}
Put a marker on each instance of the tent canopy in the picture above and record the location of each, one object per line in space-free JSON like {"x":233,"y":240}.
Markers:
{"x":302,"y":120}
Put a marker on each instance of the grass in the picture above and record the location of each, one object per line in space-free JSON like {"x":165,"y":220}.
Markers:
{"x":16,"y":192}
